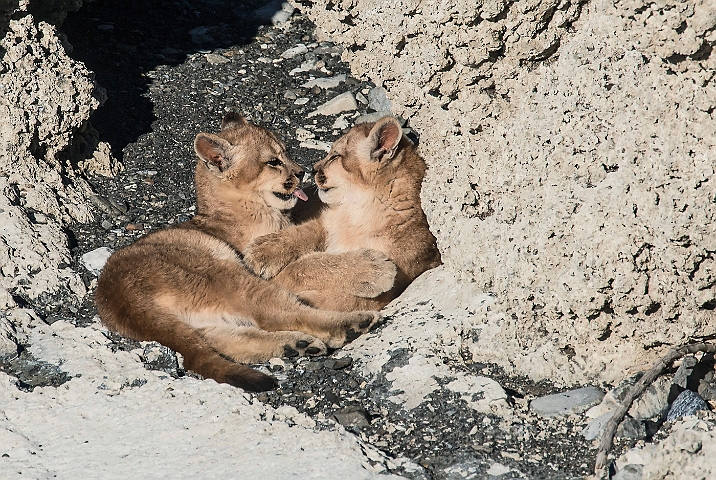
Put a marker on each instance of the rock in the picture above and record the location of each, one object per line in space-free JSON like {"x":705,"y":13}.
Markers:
{"x":341,"y":103}
{"x":378,"y":100}
{"x":275,"y":12}
{"x":301,"y":101}
{"x":326,"y":82}
{"x":340,"y":123}
{"x":361,"y":98}
{"x":338,"y":363}
{"x":200,"y":35}
{"x":497,"y":469}
{"x":299,"y":49}
{"x":302,"y":134}
{"x":314,"y":144}
{"x":573,"y":401}
{"x":216,"y":59}
{"x":159,"y":357}
{"x":289,"y":95}
{"x":95,"y":260}
{"x":595,"y":427}
{"x":687,"y":403}
{"x":453,"y":90}
{"x":8,"y":340}
{"x":352,"y":417}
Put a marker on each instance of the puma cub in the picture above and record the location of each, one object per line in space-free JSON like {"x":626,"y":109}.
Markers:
{"x":186,"y":286}
{"x":370,"y":240}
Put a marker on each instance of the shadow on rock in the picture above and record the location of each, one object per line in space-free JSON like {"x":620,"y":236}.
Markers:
{"x":121,"y":41}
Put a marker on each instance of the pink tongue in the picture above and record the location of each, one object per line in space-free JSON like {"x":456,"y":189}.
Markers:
{"x":301,"y":194}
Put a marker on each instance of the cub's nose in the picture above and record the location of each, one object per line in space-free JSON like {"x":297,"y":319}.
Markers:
{"x":300,"y":174}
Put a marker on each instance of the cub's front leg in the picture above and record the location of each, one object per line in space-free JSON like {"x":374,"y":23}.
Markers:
{"x":268,"y":255}
{"x":363,"y":273}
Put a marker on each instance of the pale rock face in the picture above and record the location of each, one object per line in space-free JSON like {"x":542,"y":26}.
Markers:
{"x":571,"y":163}
{"x":45,"y":101}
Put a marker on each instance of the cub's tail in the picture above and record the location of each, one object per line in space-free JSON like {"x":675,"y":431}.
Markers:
{"x":199,"y":355}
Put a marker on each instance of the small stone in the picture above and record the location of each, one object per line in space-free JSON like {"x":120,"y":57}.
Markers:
{"x":687,"y":403}
{"x":299,"y":49}
{"x":378,"y":100}
{"x":275,"y":12}
{"x":316,"y":90}
{"x":338,"y":363}
{"x":361,"y":98}
{"x":326,"y":82}
{"x":342,"y":103}
{"x":306,"y":66}
{"x":95,"y":260}
{"x":497,"y":469}
{"x":302,"y":134}
{"x":316,"y":145}
{"x":573,"y":401}
{"x":340,"y":123}
{"x":216,"y":59}
{"x":631,"y":428}
{"x":352,"y":417}
{"x":289,"y":95}
{"x":106,"y":224}
{"x":301,"y":101}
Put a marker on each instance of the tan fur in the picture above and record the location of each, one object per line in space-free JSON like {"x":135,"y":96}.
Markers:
{"x":186,"y":286}
{"x":372,"y":238}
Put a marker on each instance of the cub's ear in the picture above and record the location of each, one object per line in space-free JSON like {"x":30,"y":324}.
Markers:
{"x":384,"y":138}
{"x":232,"y":119}
{"x":214,"y":151}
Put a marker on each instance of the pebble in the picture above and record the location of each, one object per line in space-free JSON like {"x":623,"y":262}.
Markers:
{"x":341,"y":123}
{"x":361,"y":98}
{"x":302,"y":134}
{"x":289,"y":95}
{"x":342,"y":103}
{"x":573,"y":401}
{"x":338,"y":363}
{"x":301,"y":101}
{"x":216,"y":59}
{"x":276,"y":12}
{"x":687,"y":403}
{"x":316,"y":145}
{"x":95,"y":260}
{"x":325,"y":82}
{"x":352,"y":417}
{"x":378,"y":99}
{"x":299,"y":49}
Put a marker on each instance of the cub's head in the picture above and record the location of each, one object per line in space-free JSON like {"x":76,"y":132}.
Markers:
{"x":368,"y":157}
{"x":245,"y":161}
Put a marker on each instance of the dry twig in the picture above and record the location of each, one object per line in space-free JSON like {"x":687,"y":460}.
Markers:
{"x":600,"y":467}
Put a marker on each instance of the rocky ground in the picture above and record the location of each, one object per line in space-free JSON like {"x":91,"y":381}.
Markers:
{"x":171,"y":69}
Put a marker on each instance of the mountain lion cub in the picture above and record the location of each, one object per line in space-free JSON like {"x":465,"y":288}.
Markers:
{"x":186,"y":286}
{"x":343,"y":260}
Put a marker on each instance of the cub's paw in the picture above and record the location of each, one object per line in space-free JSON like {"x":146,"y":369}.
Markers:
{"x":264,"y":257}
{"x":304,"y":345}
{"x":374,"y":273}
{"x":353,"y":326}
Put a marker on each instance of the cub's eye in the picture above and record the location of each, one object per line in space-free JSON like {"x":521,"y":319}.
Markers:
{"x":275,"y":162}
